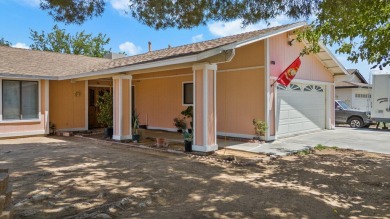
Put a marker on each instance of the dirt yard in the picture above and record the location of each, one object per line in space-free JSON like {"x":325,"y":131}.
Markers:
{"x":80,"y":178}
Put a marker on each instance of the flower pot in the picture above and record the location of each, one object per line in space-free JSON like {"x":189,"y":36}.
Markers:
{"x":161,"y":142}
{"x":188,"y":146}
{"x":136,"y":137}
{"x":108,"y":132}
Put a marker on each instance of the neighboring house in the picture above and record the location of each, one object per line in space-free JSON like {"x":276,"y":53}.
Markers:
{"x":354,"y":90}
{"x":227,"y":81}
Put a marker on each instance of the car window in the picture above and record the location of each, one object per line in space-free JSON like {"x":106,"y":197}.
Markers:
{"x":344,"y":105}
{"x":336,"y":105}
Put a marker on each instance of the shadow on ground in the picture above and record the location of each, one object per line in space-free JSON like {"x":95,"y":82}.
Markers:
{"x":79,"y":178}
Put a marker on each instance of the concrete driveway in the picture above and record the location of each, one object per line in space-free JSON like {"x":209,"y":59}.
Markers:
{"x":367,"y":139}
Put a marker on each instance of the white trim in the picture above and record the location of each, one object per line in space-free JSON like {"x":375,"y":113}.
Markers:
{"x":204,"y":66}
{"x":86,"y":93}
{"x":1,"y":99}
{"x":303,"y":81}
{"x":205,"y":106}
{"x":182,"y":93}
{"x":241,"y":69}
{"x":164,"y":129}
{"x":122,"y":137}
{"x":21,"y":121}
{"x":206,"y":148}
{"x":39,"y":100}
{"x":276,"y":117}
{"x":19,"y":134}
{"x":168,"y":76}
{"x":131,"y":107}
{"x":120,"y":105}
{"x":47,"y":122}
{"x":267,"y":89}
{"x":12,"y":76}
{"x":328,"y":109}
{"x":113,"y":106}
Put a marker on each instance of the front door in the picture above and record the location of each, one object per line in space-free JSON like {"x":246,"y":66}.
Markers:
{"x":94,"y":93}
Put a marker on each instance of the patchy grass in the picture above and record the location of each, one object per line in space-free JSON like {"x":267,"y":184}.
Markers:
{"x":321,"y":147}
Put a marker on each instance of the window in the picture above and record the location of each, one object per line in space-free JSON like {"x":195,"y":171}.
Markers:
{"x":281,"y":87}
{"x":188,"y":93}
{"x":20,"y":100}
{"x":295,"y":87}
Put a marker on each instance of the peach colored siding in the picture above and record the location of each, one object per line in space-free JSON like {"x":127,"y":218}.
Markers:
{"x":20,"y":127}
{"x":159,"y":100}
{"x":247,"y":56}
{"x":283,"y":55}
{"x":115,"y":103}
{"x":240,"y":99}
{"x":93,"y":83}
{"x":67,"y":110}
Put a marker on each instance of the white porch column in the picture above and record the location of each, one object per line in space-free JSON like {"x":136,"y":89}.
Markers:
{"x":205,"y":114}
{"x":122,"y":107}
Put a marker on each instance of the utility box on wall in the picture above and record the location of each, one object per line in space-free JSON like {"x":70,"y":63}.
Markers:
{"x":380,"y":96}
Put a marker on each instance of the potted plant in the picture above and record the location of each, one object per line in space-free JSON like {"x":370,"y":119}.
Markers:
{"x":104,"y":115}
{"x":180,"y":123}
{"x":188,"y":113}
{"x":187,"y":141}
{"x":136,"y":135}
{"x":260,"y":128}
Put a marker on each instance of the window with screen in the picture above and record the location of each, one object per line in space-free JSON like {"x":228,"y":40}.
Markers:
{"x":188,"y":93}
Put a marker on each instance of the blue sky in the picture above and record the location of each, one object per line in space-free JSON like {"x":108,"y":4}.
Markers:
{"x":17,"y":17}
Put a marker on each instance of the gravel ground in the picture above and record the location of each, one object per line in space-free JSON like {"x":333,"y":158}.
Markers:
{"x":80,"y":178}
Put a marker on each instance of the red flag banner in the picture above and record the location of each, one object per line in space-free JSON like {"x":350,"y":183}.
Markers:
{"x":288,"y":75}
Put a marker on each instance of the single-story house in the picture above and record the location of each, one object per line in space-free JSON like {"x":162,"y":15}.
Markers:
{"x":354,"y":89}
{"x":227,"y":81}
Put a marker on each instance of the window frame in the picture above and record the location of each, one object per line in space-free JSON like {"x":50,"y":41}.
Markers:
{"x":183,"y":93}
{"x":20,"y":120}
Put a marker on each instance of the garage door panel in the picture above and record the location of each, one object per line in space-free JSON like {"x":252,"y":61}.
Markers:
{"x":300,"y":111}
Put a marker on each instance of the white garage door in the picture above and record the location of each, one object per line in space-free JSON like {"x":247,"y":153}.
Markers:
{"x":301,"y":108}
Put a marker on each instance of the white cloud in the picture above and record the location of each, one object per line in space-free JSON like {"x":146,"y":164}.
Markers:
{"x":130,"y":48}
{"x":197,"y":38}
{"x":21,"y":46}
{"x":120,"y":5}
{"x":221,"y":29}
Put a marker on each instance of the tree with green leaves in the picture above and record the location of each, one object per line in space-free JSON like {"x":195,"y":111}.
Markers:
{"x":361,"y":27}
{"x":4,"y":42}
{"x":60,"y":41}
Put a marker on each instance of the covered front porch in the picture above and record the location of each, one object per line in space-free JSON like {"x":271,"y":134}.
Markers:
{"x":157,"y":98}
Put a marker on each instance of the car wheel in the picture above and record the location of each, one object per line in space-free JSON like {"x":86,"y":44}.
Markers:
{"x":356,"y":122}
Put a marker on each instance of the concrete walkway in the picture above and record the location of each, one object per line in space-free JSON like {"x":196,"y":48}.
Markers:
{"x":371,"y":140}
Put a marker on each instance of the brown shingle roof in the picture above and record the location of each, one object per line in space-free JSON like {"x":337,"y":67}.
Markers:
{"x":49,"y":64}
{"x":14,"y":61}
{"x":186,"y":50}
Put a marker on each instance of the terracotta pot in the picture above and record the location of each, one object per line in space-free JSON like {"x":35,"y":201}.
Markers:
{"x":161,"y":142}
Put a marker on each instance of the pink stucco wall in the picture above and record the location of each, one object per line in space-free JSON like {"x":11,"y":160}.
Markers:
{"x":284,"y":54}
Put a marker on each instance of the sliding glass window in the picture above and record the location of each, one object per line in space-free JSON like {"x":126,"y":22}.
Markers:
{"x":20,"y":100}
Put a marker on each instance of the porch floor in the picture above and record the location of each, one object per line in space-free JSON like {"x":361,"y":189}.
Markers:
{"x":277,"y":147}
